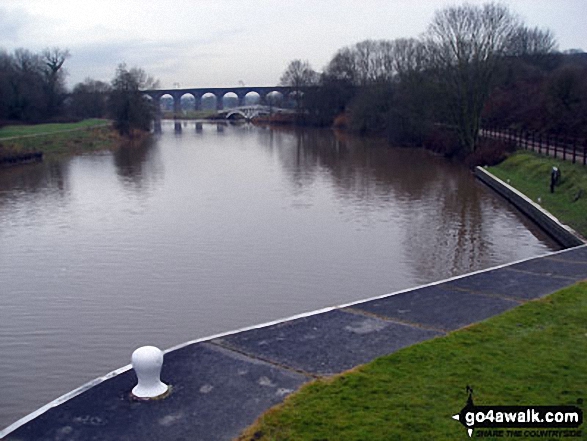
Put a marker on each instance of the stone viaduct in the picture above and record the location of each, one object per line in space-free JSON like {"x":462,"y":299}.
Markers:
{"x":218,"y":92}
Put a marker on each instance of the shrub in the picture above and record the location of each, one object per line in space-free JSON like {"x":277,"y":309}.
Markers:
{"x":489,"y":152}
{"x":443,"y":141}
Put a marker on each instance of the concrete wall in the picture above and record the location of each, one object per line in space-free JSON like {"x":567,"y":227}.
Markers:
{"x":563,"y":234}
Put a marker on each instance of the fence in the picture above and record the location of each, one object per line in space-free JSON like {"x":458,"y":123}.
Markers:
{"x":557,"y":146}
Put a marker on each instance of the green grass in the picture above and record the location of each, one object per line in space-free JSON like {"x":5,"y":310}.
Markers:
{"x":530,"y":173}
{"x":39,"y":129}
{"x":531,"y":355}
{"x":93,"y":138}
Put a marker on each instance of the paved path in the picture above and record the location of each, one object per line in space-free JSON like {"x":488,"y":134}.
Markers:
{"x":222,"y":385}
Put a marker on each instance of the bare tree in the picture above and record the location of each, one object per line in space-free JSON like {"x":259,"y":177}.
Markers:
{"x":54,"y":59}
{"x":464,"y":44}
{"x":343,"y":66}
{"x":364,"y":63}
{"x":408,"y":56}
{"x":54,"y":74}
{"x":531,"y":41}
{"x":6,"y":74}
{"x":299,"y":75}
{"x":145,"y":81}
{"x":366,"y":56}
{"x":377,"y":61}
{"x":28,"y":98}
{"x":27,"y":62}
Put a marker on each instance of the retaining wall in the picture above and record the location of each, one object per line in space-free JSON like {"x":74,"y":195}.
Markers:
{"x":563,"y":234}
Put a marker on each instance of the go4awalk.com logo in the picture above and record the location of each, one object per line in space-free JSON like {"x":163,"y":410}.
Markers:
{"x":520,"y":421}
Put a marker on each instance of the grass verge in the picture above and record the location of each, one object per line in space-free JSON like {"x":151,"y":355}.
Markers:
{"x":41,"y":129}
{"x":530,"y":173}
{"x":531,"y":355}
{"x":59,"y":139}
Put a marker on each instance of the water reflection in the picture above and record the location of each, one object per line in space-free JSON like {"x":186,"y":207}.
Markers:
{"x":32,"y":187}
{"x":451,"y":224}
{"x":139,"y":165}
{"x":33,"y":178}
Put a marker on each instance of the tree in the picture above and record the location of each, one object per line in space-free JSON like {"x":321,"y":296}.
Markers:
{"x":369,"y":109}
{"x":54,"y":75}
{"x":565,"y":108}
{"x":343,"y":67}
{"x":28,"y":101}
{"x":31,"y":84}
{"x":299,"y":75}
{"x":408,"y":56}
{"x":89,"y":99}
{"x":129,"y":108}
{"x":6,"y":73}
{"x":531,"y":42}
{"x":464,"y":44}
{"x":367,"y":62}
{"x":327,"y":101}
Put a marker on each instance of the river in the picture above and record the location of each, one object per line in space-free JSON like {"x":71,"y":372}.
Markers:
{"x":204,"y":231}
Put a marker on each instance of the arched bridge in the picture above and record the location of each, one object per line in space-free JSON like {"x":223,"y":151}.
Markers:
{"x":218,"y":92}
{"x":250,"y":112}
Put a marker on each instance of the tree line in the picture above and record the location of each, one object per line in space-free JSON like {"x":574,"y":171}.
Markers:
{"x":32,"y":85}
{"x":32,"y":90}
{"x":473,"y":64}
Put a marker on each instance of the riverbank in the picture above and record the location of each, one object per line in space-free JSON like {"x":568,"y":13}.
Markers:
{"x":58,"y":139}
{"x":530,"y":173}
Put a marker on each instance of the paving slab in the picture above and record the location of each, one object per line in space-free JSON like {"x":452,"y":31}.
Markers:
{"x":216,"y":393}
{"x":438,"y":307}
{"x":578,"y":254}
{"x":573,"y":270}
{"x":327,"y":343}
{"x":508,"y":283}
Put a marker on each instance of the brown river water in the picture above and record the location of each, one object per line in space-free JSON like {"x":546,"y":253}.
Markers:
{"x":202,"y":232}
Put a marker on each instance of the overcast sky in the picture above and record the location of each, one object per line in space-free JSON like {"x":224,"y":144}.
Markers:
{"x":207,"y":43}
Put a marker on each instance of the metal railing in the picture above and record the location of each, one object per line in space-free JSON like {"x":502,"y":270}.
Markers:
{"x":557,"y":146}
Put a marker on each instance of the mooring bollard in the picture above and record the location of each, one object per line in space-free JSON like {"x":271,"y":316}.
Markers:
{"x":147,"y":362}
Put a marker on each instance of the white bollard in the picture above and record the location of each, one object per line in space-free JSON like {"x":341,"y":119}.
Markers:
{"x":147,"y":362}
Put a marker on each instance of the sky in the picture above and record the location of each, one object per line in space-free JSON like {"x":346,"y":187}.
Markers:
{"x":224,"y":43}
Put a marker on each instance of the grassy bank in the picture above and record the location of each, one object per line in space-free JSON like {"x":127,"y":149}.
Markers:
{"x":41,"y":129}
{"x":533,"y":354}
{"x":530,"y":173}
{"x":54,"y":139}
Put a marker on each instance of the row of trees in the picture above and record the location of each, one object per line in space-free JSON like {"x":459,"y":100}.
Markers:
{"x":469,"y":57}
{"x":32,"y":89}
{"x":32,"y":85}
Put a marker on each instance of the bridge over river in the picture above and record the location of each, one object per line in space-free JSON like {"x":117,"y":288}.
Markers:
{"x":219,"y":92}
{"x":250,"y":112}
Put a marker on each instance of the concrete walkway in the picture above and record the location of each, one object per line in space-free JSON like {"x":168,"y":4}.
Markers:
{"x":220,"y":386}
